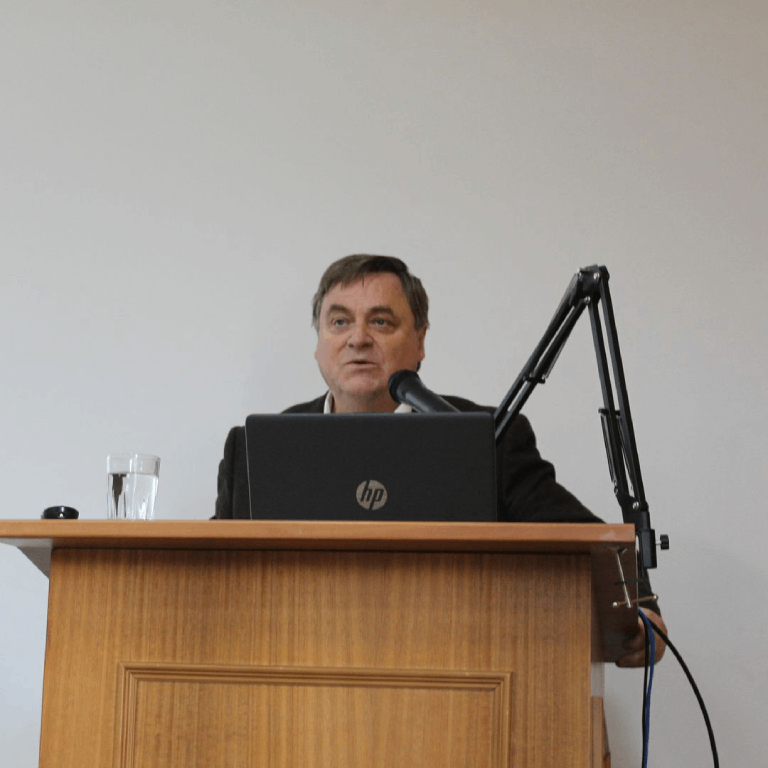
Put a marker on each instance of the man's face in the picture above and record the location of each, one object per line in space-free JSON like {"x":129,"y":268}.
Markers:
{"x":366,"y":333}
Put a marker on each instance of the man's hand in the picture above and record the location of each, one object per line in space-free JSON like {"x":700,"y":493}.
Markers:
{"x":635,"y":646}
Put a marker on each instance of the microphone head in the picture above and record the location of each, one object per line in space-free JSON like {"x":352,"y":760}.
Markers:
{"x":397,"y":379}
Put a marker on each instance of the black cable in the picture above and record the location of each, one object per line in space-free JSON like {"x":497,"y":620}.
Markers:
{"x":710,"y":732}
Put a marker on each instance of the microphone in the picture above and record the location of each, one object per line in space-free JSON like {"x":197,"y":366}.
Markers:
{"x":406,"y":387}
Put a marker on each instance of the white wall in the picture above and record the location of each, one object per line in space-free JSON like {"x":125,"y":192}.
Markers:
{"x":175,"y":176}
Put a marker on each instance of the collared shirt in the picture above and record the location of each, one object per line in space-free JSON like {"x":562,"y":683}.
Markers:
{"x":328,"y":407}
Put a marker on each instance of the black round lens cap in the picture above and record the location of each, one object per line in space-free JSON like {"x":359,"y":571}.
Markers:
{"x":60,"y":513}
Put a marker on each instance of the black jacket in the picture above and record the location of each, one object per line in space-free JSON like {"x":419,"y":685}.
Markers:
{"x":527,"y":489}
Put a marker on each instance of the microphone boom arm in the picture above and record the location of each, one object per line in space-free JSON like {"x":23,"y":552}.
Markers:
{"x":589,"y":290}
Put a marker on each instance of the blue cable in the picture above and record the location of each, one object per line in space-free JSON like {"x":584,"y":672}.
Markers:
{"x":650,"y":642}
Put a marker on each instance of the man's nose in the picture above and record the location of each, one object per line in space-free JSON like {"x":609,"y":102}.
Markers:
{"x":359,"y":336}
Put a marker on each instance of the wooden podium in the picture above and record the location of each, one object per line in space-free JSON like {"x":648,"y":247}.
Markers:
{"x":326,"y":645}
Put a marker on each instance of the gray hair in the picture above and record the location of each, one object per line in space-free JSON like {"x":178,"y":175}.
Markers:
{"x":351,"y":268}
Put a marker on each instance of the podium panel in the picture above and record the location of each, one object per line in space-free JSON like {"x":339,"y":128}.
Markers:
{"x":317,"y":658}
{"x":216,"y":715}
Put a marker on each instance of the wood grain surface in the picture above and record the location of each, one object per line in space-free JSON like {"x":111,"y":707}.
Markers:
{"x":304,"y":658}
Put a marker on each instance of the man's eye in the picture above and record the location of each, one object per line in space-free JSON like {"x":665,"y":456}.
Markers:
{"x":381,"y":321}
{"x":338,"y":322}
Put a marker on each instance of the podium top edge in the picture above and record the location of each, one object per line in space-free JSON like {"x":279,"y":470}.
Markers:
{"x":313,"y":534}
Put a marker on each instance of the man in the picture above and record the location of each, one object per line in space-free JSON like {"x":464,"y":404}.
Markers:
{"x":371,"y":318}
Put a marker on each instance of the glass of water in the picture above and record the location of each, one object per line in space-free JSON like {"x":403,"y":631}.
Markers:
{"x":132,"y":480}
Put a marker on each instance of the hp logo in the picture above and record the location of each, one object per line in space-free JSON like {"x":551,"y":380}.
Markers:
{"x":371,"y":495}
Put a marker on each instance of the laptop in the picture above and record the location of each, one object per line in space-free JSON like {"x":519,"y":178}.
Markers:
{"x":372,"y":466}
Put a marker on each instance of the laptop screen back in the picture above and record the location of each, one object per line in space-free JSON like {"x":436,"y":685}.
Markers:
{"x":418,"y":466}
